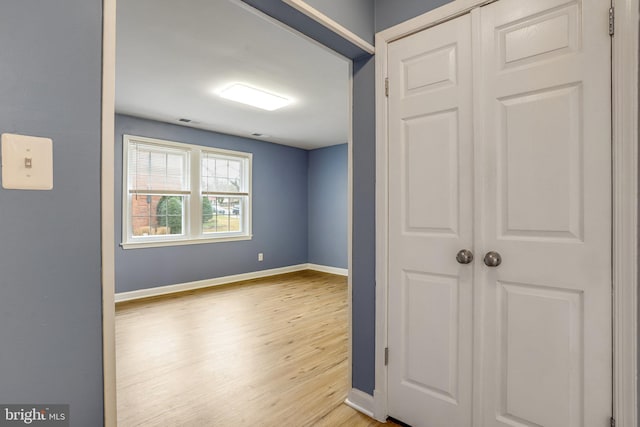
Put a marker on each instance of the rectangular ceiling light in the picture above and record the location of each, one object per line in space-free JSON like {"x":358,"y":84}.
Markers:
{"x":254,"y":97}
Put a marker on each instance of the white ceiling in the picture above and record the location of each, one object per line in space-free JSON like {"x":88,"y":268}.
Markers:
{"x":172,"y":55}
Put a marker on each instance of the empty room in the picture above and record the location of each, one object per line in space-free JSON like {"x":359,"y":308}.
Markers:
{"x":232,"y":219}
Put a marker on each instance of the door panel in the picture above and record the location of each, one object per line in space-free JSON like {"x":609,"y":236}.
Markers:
{"x":545,"y":33}
{"x":546,"y":203}
{"x":540,"y":348}
{"x":428,"y":327}
{"x":431,"y":160}
{"x":430,"y":221}
{"x":541,"y":164}
{"x":431,"y":70}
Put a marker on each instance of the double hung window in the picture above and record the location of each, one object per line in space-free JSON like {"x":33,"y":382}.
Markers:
{"x":176,"y":193}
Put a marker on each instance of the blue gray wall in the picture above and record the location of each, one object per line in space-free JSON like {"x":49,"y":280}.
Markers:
{"x":392,"y":12}
{"x":355,"y":15}
{"x":327,"y":184}
{"x":279,"y":214}
{"x":50,"y":280}
{"x":279,"y":10}
{"x":363,"y":264}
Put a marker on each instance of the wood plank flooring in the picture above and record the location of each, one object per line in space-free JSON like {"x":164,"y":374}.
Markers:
{"x":265,"y":352}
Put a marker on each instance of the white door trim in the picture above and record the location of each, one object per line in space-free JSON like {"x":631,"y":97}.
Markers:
{"x":313,"y":13}
{"x":625,"y":211}
{"x":107,"y":211}
{"x":624,"y":192}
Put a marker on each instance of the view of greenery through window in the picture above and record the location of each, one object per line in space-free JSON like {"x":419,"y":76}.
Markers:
{"x":169,"y":214}
{"x":225,"y":214}
{"x":164,"y":200}
{"x":218,"y":215}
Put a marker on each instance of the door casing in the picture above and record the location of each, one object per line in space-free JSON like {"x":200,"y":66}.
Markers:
{"x":624,"y":195}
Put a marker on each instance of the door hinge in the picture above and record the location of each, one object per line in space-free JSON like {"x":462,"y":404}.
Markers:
{"x":386,"y":87}
{"x":613,"y":422}
{"x":612,"y":21}
{"x":386,"y":356}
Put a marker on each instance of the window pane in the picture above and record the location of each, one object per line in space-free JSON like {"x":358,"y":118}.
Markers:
{"x":222,"y":214}
{"x":157,"y":168}
{"x":221,"y":174}
{"x":157,"y":215}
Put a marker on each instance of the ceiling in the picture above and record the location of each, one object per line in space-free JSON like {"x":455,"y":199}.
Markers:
{"x":173,"y":55}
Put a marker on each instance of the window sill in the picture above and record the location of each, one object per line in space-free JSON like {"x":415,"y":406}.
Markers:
{"x":182,"y":242}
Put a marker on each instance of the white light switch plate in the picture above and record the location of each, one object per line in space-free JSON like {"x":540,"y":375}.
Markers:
{"x":27,"y":162}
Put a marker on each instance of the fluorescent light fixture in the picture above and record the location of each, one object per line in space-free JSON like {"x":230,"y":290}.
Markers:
{"x":255,"y":97}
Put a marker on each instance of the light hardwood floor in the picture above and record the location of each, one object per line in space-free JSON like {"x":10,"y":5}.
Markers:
{"x":265,"y":352}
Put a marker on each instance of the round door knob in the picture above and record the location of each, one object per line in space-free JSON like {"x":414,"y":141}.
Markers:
{"x":492,"y":259}
{"x":464,"y":256}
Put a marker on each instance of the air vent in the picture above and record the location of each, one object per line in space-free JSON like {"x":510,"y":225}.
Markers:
{"x":259,"y":135}
{"x":184,"y":120}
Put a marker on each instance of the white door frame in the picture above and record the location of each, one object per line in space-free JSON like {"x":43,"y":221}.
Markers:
{"x":107,"y":201}
{"x":624,"y":193}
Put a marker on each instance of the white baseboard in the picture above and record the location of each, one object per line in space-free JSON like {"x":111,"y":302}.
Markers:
{"x":190,"y":286}
{"x":361,"y":402}
{"x":380,"y":405}
{"x":327,"y":269}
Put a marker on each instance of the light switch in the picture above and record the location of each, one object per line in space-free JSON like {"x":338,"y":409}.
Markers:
{"x":27,"y":162}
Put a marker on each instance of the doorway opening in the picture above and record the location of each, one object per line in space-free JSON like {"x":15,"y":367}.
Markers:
{"x":108,"y":230}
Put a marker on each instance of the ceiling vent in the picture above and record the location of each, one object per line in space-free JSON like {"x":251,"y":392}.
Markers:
{"x":184,"y":120}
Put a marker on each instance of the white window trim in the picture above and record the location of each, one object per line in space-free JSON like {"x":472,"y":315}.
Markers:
{"x":193,"y":229}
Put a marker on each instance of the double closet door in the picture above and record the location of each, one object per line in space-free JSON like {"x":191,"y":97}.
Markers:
{"x":499,"y":304}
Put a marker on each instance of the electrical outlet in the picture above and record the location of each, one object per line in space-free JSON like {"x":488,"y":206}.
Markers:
{"x":260,"y":256}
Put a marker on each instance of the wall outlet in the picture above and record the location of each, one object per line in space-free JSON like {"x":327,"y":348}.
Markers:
{"x":260,"y":256}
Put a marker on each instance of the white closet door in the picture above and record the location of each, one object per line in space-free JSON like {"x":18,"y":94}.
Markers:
{"x":501,"y":143}
{"x":430,"y":220}
{"x":546,"y":208}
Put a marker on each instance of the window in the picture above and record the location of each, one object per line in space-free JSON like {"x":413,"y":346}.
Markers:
{"x":176,"y":193}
